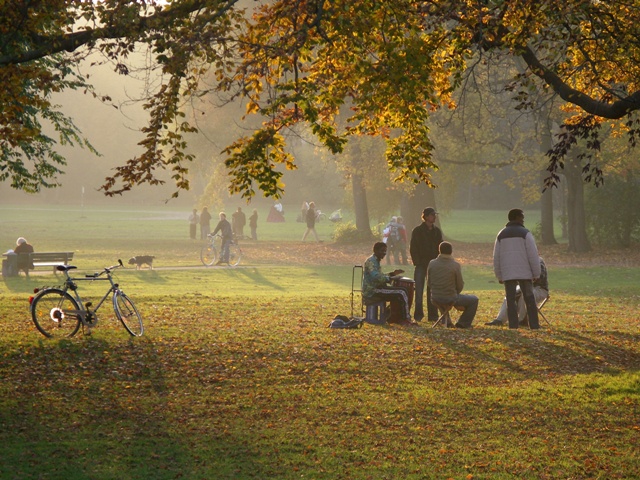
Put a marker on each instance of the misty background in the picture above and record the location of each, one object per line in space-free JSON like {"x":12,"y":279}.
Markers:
{"x":320,"y":177}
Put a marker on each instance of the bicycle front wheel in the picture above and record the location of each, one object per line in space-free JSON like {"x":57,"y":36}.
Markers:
{"x":128,"y":314}
{"x":208,"y":255}
{"x":235,"y":254}
{"x":55,"y":313}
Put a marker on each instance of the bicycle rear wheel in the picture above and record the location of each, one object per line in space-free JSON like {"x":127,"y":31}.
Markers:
{"x":208,"y":255}
{"x":235,"y":254}
{"x":128,"y":314}
{"x":55,"y":313}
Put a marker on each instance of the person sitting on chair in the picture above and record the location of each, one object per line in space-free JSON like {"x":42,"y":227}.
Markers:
{"x":374,"y":283}
{"x":444,"y":277}
{"x":540,"y":291}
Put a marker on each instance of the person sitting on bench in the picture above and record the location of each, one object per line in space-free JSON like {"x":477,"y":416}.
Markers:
{"x":22,"y":246}
{"x":374,"y":284}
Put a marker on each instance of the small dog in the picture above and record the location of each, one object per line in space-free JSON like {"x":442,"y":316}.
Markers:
{"x":142,"y":260}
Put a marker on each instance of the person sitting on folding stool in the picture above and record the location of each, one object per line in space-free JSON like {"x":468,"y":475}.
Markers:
{"x":374,"y":283}
{"x":540,"y":291}
{"x":444,"y":277}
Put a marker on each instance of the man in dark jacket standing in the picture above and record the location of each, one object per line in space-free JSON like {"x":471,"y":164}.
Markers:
{"x":425,"y":239}
{"x":516,"y":262}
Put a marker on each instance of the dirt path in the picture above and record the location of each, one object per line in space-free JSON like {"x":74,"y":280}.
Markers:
{"x":311,"y":253}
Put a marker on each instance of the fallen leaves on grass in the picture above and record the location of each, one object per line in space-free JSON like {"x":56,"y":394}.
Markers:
{"x":260,"y":386}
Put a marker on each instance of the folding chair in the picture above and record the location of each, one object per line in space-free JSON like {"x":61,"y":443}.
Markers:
{"x":445,"y":316}
{"x":539,"y":306}
{"x":373,"y":312}
{"x":542,"y":303}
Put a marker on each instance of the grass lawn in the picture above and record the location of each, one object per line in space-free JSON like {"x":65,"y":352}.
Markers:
{"x":237,"y":376}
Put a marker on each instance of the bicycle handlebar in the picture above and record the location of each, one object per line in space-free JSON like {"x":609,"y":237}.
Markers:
{"x":106,"y":270}
{"x":113,"y":267}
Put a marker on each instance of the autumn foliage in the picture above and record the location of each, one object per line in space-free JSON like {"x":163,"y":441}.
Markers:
{"x":340,"y":68}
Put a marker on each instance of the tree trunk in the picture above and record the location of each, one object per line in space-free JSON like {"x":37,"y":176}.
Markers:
{"x":546,"y":215}
{"x":360,"y":204}
{"x":413,"y":204}
{"x":578,"y":240}
{"x":546,"y":202}
{"x":563,"y":201}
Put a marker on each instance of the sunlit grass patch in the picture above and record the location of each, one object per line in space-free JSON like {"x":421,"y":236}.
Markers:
{"x":238,"y":376}
{"x":261,"y":387}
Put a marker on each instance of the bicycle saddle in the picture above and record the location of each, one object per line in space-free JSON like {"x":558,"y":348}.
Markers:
{"x":65,"y":268}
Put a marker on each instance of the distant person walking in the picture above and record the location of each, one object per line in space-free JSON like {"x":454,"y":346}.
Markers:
{"x":253,"y":225}
{"x":516,"y":262}
{"x":194,"y":219}
{"x":401,"y":248}
{"x":425,"y":240}
{"x":392,"y":240}
{"x":303,"y":212}
{"x":205,"y":223}
{"x":311,"y":222}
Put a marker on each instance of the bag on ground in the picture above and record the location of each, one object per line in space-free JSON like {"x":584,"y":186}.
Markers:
{"x":341,"y":321}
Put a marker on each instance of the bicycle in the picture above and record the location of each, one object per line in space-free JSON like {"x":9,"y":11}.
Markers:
{"x":209,"y":252}
{"x":320,"y":216}
{"x":58,"y":313}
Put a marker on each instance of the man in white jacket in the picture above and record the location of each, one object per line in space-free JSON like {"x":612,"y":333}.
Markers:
{"x":516,"y":262}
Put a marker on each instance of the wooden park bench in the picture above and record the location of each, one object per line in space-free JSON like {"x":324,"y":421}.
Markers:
{"x":37,"y":259}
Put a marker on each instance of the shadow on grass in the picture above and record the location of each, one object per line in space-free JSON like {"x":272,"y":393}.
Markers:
{"x":557,"y":352}
{"x":26,"y":285}
{"x":83,"y":411}
{"x":253,"y":277}
{"x":149,"y":276}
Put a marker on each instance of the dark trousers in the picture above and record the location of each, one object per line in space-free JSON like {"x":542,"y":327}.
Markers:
{"x":392,"y":250}
{"x":420,"y":277}
{"x":529,"y":299}
{"x":224,"y":250}
{"x":394,"y":295}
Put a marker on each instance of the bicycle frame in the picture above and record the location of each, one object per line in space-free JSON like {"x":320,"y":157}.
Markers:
{"x":59,"y":311}
{"x":87,"y":315}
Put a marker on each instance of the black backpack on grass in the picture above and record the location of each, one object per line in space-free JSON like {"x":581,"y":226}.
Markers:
{"x":340,"y":321}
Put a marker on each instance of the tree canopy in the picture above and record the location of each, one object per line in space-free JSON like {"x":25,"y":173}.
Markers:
{"x":384,"y":67}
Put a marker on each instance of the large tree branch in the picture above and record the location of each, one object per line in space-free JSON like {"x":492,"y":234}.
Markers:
{"x":70,"y":42}
{"x":610,"y":110}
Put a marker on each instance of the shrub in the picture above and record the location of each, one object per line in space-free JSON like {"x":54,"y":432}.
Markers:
{"x":347,"y":232}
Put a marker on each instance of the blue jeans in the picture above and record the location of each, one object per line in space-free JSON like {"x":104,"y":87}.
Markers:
{"x":420,"y":277}
{"x":529,"y":299}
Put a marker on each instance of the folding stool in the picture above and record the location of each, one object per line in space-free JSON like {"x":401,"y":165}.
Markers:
{"x":445,"y":316}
